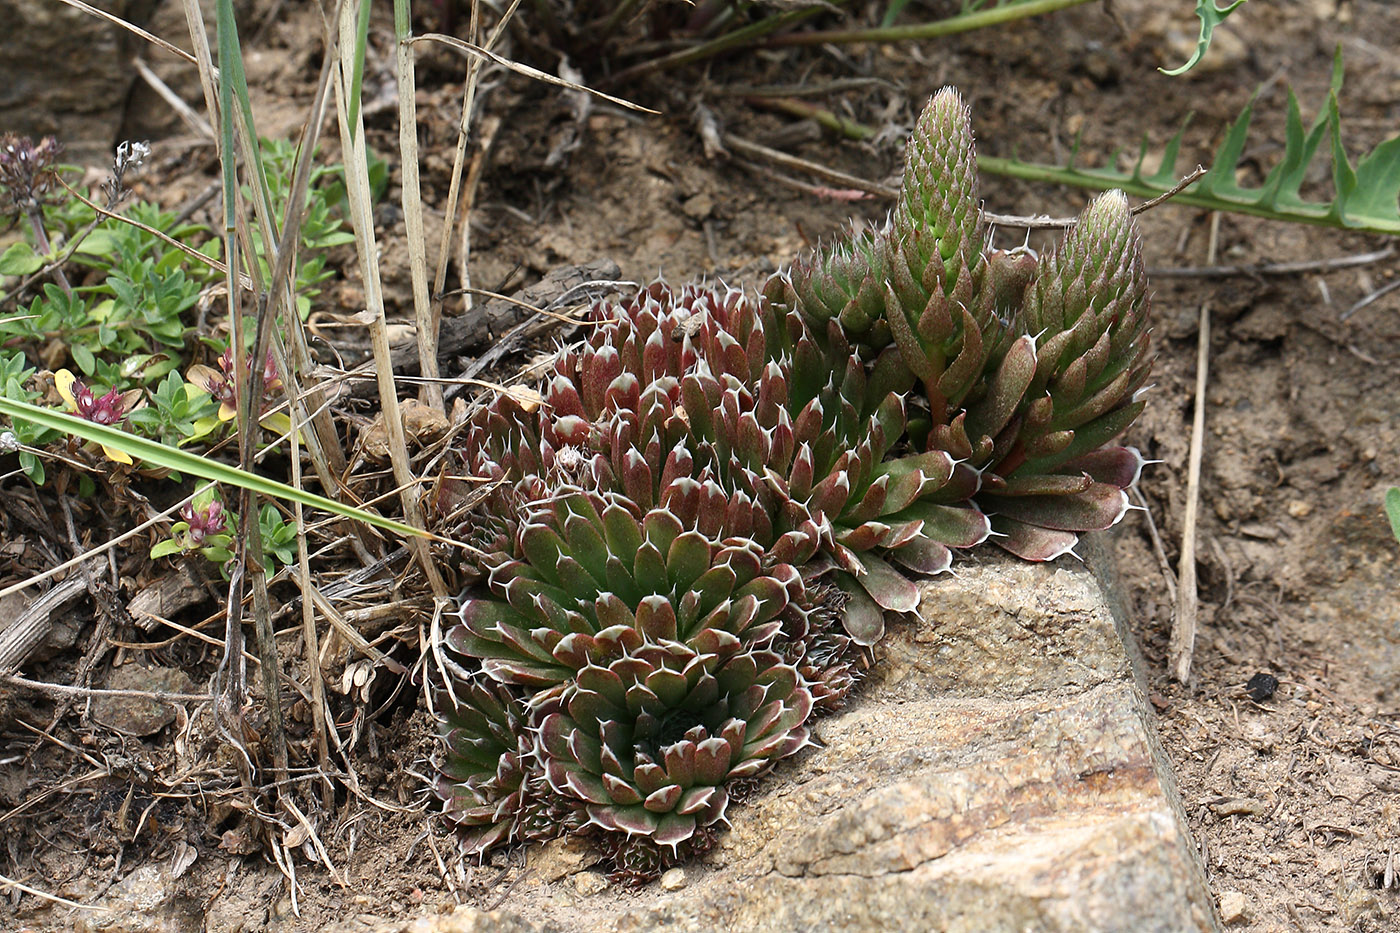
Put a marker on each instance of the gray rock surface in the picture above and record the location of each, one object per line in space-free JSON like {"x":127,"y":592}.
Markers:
{"x":67,"y":74}
{"x":998,"y":773}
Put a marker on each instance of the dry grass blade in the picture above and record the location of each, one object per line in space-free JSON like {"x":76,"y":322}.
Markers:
{"x":100,"y":549}
{"x":46,"y":896}
{"x":184,"y":111}
{"x":411,"y":197}
{"x":185,"y":248}
{"x":470,"y":49}
{"x":132,"y":28}
{"x":362,"y":220}
{"x":1183,"y":638}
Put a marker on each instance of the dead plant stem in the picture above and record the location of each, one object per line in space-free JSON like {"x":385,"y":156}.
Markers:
{"x":1183,"y":638}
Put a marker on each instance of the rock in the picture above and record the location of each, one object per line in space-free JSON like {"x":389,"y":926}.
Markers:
{"x":673,"y":879}
{"x":998,"y":772}
{"x":559,"y":858}
{"x":589,"y":883}
{"x":67,"y":74}
{"x":140,"y":715}
{"x":1234,"y":908}
{"x":462,"y":919}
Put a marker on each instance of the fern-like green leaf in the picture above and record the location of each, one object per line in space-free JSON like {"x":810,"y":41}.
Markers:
{"x":1210,"y":16}
{"x":1365,"y":195}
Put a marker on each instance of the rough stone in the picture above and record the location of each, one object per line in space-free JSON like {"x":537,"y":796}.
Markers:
{"x":999,"y":772}
{"x":140,"y":715}
{"x":67,"y":74}
{"x":589,"y":883}
{"x":1234,"y":908}
{"x":673,"y":879}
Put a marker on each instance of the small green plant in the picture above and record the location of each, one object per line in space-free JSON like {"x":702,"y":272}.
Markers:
{"x":203,"y":528}
{"x":321,"y":227}
{"x":26,"y":437}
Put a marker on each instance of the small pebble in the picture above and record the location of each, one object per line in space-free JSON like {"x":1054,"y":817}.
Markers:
{"x":1299,"y":509}
{"x":1262,"y":687}
{"x":1234,"y":908}
{"x":673,"y":879}
{"x":589,"y":883}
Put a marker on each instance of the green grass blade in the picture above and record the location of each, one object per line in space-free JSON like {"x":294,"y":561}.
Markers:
{"x":1366,"y":196}
{"x":183,"y":461}
{"x":1392,"y":510}
{"x":357,"y":76}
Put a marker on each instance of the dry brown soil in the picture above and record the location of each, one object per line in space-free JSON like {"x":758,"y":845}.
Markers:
{"x":1293,"y":799}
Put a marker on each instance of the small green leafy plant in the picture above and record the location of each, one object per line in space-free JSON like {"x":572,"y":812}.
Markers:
{"x":120,"y":300}
{"x":205,"y":527}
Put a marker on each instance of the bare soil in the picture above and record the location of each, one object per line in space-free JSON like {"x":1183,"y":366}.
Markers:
{"x":1292,"y":798}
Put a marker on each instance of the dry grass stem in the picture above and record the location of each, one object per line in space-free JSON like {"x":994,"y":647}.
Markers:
{"x":362,"y":221}
{"x":411,"y":198}
{"x":45,"y":896}
{"x":1183,"y":638}
{"x":184,"y":111}
{"x":101,"y":548}
{"x":1272,"y":268}
{"x":468,"y":48}
{"x":131,"y":28}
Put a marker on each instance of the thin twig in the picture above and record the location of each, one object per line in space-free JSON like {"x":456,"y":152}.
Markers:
{"x":468,"y":49}
{"x":1271,"y":268}
{"x":1157,"y":547}
{"x":129,"y":27}
{"x":1183,"y":638}
{"x":44,"y":895}
{"x":1374,"y":296}
{"x":783,"y":159}
{"x":63,"y":690}
{"x":183,"y":110}
{"x":856,"y":183}
{"x":101,"y":548}
{"x":188,"y":250}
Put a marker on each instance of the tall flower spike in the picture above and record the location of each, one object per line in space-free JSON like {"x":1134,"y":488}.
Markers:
{"x":947,"y":301}
{"x":1051,"y":474}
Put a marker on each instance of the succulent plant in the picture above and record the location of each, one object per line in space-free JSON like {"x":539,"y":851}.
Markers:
{"x":648,"y":741}
{"x":490,"y":782}
{"x":695,"y":526}
{"x":1080,"y":365}
{"x":591,"y":575}
{"x":1028,"y":367}
{"x":792,"y":434}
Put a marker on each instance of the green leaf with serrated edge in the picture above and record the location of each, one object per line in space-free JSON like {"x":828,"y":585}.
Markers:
{"x":185,"y":462}
{"x":1210,"y":16}
{"x":1392,"y":510}
{"x":1365,"y":197}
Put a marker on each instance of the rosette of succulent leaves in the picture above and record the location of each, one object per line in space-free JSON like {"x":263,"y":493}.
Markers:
{"x":691,"y":537}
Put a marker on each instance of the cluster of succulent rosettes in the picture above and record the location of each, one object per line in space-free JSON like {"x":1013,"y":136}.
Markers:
{"x":687,"y":537}
{"x":1029,"y":367}
{"x":792,"y":441}
{"x":617,"y":669}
